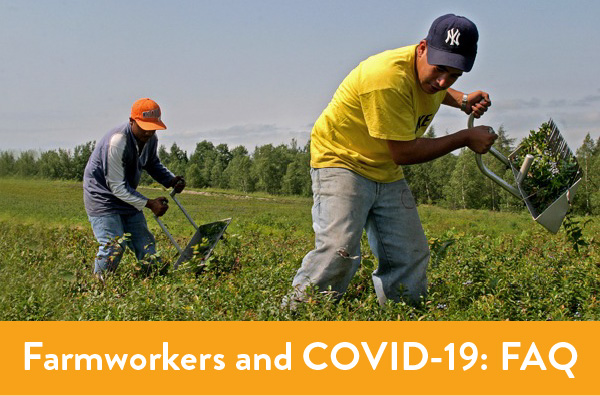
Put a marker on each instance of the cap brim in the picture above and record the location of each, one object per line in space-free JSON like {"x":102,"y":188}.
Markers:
{"x":445,"y":58}
{"x":151,"y":125}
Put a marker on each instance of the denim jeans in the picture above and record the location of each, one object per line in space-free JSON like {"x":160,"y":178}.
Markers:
{"x":110,"y":227}
{"x":345,"y":203}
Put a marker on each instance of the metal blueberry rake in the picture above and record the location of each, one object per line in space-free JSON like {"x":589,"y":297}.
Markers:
{"x":203,"y":241}
{"x":548,"y":201}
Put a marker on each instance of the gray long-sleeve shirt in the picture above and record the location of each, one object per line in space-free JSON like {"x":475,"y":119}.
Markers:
{"x":113,"y":173}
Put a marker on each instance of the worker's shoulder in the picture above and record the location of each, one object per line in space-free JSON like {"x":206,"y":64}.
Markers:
{"x":117,"y":136}
{"x":117,"y":130}
{"x":388,"y":69}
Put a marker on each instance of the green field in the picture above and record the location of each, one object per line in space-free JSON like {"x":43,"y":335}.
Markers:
{"x":485,"y":265}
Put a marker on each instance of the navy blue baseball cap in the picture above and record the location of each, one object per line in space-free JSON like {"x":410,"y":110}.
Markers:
{"x":452,"y":41}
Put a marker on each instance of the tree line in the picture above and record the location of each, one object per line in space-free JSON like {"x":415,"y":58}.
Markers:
{"x":452,"y":181}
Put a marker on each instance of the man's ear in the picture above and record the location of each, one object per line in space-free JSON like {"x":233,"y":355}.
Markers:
{"x":422,"y":48}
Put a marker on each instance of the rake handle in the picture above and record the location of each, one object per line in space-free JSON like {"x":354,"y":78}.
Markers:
{"x":172,"y":194}
{"x":164,"y":228}
{"x":495,"y":178}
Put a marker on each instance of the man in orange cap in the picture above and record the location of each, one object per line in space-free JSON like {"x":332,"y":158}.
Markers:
{"x":111,"y":177}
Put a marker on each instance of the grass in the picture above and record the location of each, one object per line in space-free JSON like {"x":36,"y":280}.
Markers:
{"x":485,"y":265}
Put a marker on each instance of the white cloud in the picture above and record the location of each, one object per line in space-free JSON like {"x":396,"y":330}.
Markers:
{"x":587,"y":101}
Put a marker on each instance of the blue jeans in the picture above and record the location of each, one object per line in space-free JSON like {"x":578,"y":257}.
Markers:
{"x":110,"y":227}
{"x":345,"y":203}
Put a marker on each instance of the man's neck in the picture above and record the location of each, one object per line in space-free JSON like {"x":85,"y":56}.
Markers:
{"x":138,"y":142}
{"x":140,"y":145}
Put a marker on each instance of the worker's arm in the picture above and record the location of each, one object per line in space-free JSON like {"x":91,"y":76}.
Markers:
{"x":115,"y":174}
{"x":479,"y":139}
{"x":116,"y":181}
{"x":477,"y":102}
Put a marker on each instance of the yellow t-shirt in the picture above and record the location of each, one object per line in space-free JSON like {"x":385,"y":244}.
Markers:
{"x":379,"y":100}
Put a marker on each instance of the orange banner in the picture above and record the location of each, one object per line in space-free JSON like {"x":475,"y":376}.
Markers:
{"x":299,"y":358}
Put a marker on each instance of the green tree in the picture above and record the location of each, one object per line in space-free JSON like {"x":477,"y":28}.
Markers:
{"x":162,"y":153}
{"x":81,"y":155}
{"x":440,"y":174}
{"x":238,"y":173}
{"x":26,"y":164}
{"x":193,"y":176}
{"x":466,"y":183}
{"x":204,"y":157}
{"x":297,"y":175}
{"x":270,"y":165}
{"x":177,"y":160}
{"x":66,"y":168}
{"x":7,"y":163}
{"x":223,"y":154}
{"x":594,"y":171}
{"x":429,"y":181}
{"x":217,"y":179}
{"x":587,"y":155}
{"x":49,"y":165}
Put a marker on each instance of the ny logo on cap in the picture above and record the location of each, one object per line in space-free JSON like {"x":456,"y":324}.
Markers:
{"x":453,"y":35}
{"x":155,"y":113}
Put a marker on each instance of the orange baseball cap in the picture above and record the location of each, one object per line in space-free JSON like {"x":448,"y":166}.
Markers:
{"x":146,"y":114}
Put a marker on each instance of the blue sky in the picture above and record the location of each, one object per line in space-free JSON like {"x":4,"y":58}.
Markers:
{"x":256,"y":72}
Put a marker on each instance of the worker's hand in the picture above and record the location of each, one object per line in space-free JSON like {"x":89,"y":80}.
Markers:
{"x":477,"y":103}
{"x":178,"y":184}
{"x":480,"y":138}
{"x":158,"y":206}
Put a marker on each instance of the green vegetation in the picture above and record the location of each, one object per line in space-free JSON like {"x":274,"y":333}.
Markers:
{"x":485,"y":265}
{"x":551,"y":172}
{"x":489,"y":260}
{"x":452,"y":181}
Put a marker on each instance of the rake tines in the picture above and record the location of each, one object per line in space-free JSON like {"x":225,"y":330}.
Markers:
{"x":546,"y":174}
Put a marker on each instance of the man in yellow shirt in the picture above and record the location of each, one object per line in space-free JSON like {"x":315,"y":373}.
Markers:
{"x":374,"y":124}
